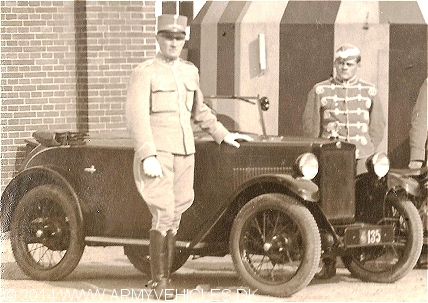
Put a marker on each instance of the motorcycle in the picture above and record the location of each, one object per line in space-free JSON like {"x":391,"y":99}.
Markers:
{"x":412,"y":184}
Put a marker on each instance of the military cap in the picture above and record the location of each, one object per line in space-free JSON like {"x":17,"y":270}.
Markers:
{"x":172,"y":23}
{"x":348,"y":52}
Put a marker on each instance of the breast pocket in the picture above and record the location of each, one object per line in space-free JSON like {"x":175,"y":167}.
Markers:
{"x":191,"y":88}
{"x":163,"y":97}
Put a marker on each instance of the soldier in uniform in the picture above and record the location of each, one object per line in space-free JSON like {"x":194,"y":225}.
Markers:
{"x":347,"y":108}
{"x":163,"y":100}
{"x":418,"y":131}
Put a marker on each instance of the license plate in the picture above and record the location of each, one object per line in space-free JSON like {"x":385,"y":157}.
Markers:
{"x":368,"y":235}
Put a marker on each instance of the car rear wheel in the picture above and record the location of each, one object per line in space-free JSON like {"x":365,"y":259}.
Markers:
{"x":46,"y":234}
{"x":275,"y":245}
{"x":139,"y":257}
{"x":389,"y":263}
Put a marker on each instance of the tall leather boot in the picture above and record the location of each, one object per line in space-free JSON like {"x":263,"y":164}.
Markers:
{"x":158,"y":264}
{"x":170,"y":245}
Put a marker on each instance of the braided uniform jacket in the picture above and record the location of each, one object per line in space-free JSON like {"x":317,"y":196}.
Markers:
{"x":350,"y":111}
{"x":162,"y":102}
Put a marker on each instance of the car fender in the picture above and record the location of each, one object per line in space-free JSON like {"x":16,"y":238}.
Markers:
{"x":370,"y":195}
{"x":28,"y":179}
{"x":305,"y":189}
{"x":397,"y":182}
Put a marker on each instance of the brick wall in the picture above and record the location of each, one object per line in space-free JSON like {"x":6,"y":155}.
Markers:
{"x":120,"y":34}
{"x":65,"y":66}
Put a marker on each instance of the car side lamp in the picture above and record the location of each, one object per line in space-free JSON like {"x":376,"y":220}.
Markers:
{"x":378,"y":164}
{"x":306,"y":166}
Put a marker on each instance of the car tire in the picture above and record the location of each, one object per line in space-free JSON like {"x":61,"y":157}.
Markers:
{"x":46,"y":233}
{"x":389,"y":263}
{"x":139,"y":257}
{"x":275,"y":245}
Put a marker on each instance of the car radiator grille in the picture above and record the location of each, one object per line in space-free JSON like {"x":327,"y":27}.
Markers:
{"x":240,"y":175}
{"x":336,"y":179}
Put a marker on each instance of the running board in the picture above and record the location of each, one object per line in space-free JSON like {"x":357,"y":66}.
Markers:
{"x":127,"y":241}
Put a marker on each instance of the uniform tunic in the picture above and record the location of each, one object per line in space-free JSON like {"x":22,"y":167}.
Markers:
{"x":163,"y":101}
{"x":418,"y":131}
{"x":349,"y":110}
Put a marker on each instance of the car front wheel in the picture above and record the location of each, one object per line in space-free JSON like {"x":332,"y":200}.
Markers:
{"x":389,"y":263}
{"x":275,"y":245}
{"x":46,"y":233}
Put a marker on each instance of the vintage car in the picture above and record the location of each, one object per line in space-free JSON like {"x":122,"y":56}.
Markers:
{"x":277,"y":205}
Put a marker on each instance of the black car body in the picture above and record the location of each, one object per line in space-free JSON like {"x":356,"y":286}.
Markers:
{"x":277,"y":205}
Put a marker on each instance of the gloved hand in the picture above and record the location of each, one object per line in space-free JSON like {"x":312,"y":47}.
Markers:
{"x":152,"y":167}
{"x":232,"y":137}
{"x":415,"y":164}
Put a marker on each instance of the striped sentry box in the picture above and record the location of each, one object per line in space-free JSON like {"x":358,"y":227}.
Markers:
{"x":300,"y":38}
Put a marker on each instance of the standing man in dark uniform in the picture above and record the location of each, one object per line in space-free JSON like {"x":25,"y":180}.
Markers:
{"x":163,"y":100}
{"x":347,"y":108}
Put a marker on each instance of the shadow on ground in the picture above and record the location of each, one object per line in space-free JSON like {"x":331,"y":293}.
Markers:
{"x":203,"y":273}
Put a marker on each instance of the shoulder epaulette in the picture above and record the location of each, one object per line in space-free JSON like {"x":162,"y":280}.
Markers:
{"x":187,"y":62}
{"x":324,"y":82}
{"x":145,"y":64}
{"x":366,"y":83}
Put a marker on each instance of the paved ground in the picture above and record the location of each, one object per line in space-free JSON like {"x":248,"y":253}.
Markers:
{"x":104,"y":274}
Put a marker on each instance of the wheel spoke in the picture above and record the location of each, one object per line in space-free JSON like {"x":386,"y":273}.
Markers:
{"x":374,"y":262}
{"x":46,"y":233}
{"x":259,"y":229}
{"x":280,"y":260}
{"x":51,"y":259}
{"x":45,"y":248}
{"x":275,"y":244}
{"x":259,"y":267}
{"x":264,"y":226}
{"x":32,"y":250}
{"x":42,"y":254}
{"x":252,"y":241}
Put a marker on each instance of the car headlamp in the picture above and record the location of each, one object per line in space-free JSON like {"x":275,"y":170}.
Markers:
{"x":378,"y":164}
{"x":306,"y":166}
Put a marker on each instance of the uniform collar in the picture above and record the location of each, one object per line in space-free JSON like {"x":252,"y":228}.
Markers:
{"x":161,"y":58}
{"x":351,"y":81}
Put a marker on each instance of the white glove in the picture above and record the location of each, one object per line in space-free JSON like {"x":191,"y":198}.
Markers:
{"x":415,"y":164}
{"x":232,"y":137}
{"x":152,"y":167}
